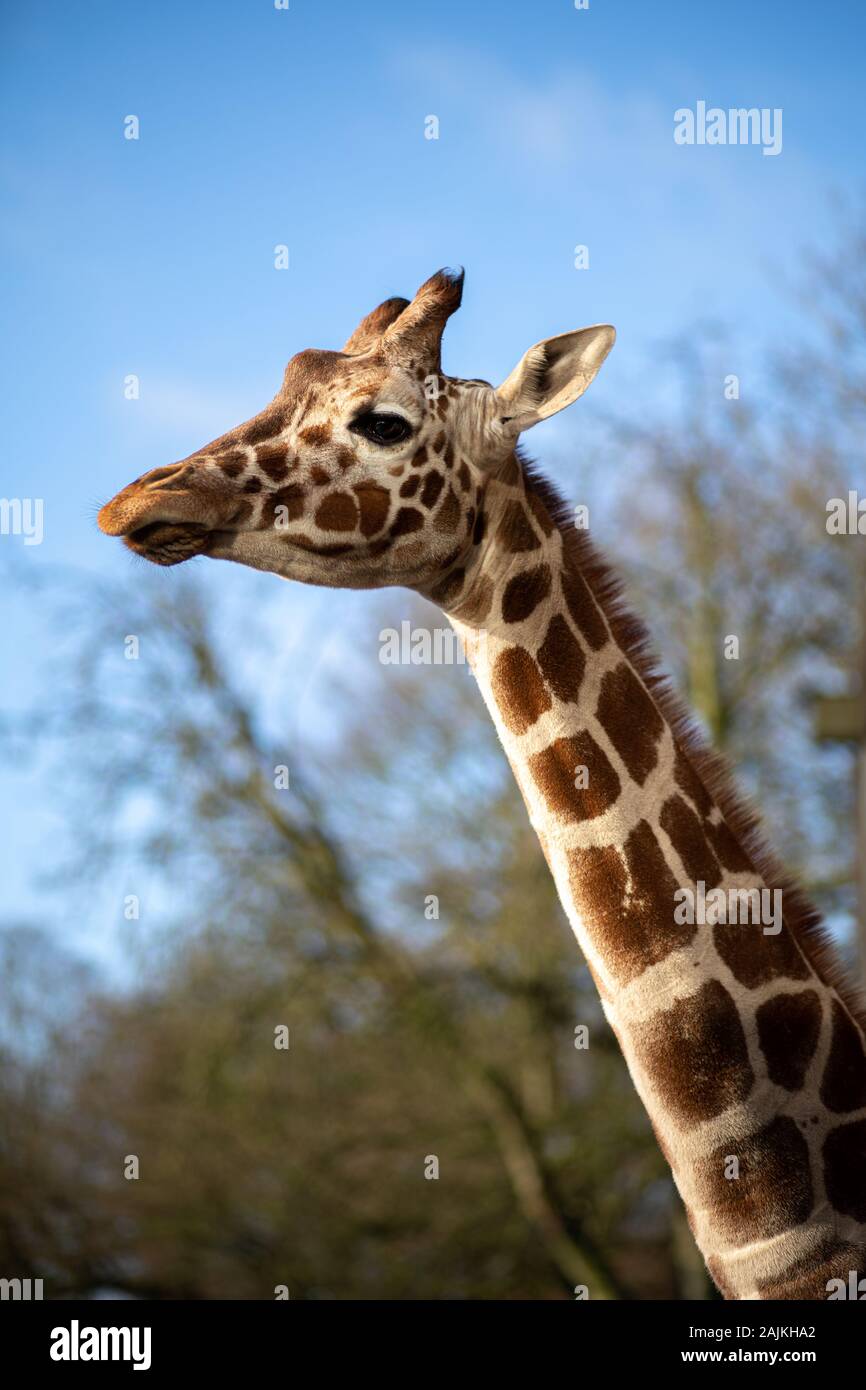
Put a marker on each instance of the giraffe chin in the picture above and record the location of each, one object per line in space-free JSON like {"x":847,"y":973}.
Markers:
{"x":169,"y":543}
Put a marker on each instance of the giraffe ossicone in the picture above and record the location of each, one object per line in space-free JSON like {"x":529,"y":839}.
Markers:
{"x":371,"y":467}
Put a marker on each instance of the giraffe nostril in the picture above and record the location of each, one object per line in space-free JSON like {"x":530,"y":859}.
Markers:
{"x":163,"y":479}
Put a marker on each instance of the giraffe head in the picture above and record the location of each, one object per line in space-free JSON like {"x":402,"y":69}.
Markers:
{"x":368,"y":467}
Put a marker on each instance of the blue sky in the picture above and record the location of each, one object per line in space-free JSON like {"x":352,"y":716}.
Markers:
{"x":306,"y":127}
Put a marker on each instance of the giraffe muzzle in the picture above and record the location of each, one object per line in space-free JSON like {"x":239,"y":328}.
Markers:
{"x":165,"y":519}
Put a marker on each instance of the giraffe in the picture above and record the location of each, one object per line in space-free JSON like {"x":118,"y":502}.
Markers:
{"x":370,"y":468}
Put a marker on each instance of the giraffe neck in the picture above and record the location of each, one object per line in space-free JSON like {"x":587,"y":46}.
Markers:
{"x":746,"y":1055}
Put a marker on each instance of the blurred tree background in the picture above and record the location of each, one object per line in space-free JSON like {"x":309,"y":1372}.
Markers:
{"x":391,"y":909}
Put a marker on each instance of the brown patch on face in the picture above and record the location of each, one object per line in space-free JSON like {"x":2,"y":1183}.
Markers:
{"x":754,"y":958}
{"x":583,"y":609}
{"x":684,"y":830}
{"x":290,"y":497}
{"x":338,"y":512}
{"x":433,"y":485}
{"x":696,"y":1054}
{"x":515,"y":533}
{"x":462,"y":472}
{"x":273,"y":463}
{"x":319,"y":475}
{"x":554,"y":770}
{"x":233,"y":464}
{"x":419,"y":458}
{"x":316,"y":434}
{"x":634,"y":929}
{"x":411,"y":485}
{"x":788,"y":1028}
{"x":562,"y":660}
{"x":374,"y":502}
{"x":630,"y":720}
{"x":479,"y":529}
{"x":844,"y":1165}
{"x":843,"y":1085}
{"x":439,"y":442}
{"x":518,"y":689}
{"x":524,"y":593}
{"x":773,"y":1192}
{"x":345,"y":457}
{"x":448,"y":516}
{"x":252,"y":485}
{"x":408,"y":519}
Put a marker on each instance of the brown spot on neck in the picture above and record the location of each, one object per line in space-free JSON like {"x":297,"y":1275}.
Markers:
{"x":844,"y":1164}
{"x":772,"y":1191}
{"x":696,"y":1055}
{"x":631,"y":920}
{"x":843,"y":1085}
{"x":518,"y":689}
{"x":524,"y":592}
{"x":561,"y":658}
{"x":515,"y":533}
{"x":788,"y":1029}
{"x":630,"y":720}
{"x":575,"y":777}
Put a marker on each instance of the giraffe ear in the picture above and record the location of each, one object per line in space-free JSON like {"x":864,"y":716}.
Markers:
{"x":552,"y":374}
{"x":369,"y":331}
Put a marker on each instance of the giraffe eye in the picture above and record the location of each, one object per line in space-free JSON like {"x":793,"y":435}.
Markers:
{"x":382,"y":428}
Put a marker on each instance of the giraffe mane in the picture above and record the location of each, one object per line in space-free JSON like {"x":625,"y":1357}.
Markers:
{"x":803,"y":919}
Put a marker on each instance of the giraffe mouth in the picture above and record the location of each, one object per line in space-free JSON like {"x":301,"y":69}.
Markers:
{"x":169,"y":542}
